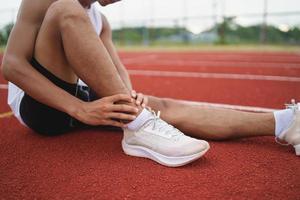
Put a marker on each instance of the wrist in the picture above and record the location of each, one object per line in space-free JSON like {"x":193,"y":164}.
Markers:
{"x":74,"y":108}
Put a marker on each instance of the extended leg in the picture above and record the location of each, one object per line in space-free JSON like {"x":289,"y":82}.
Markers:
{"x":213,"y":123}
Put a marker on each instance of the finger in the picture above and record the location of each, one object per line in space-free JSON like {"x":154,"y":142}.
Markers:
{"x":119,"y":97}
{"x":145,"y":102}
{"x":133,"y":94}
{"x":124,"y":108}
{"x":114,"y":123}
{"x":121,"y":116}
{"x":139,"y":99}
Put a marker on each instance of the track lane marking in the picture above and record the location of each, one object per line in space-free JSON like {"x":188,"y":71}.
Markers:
{"x":3,"y":86}
{"x":212,"y":75}
{"x":206,"y":104}
{"x":214,"y":63}
{"x":6,"y":115}
{"x":229,"y":106}
{"x":196,"y":62}
{"x":155,"y":73}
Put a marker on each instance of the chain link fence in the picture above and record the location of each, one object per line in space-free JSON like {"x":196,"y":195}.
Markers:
{"x":253,"y":28}
{"x":189,"y":27}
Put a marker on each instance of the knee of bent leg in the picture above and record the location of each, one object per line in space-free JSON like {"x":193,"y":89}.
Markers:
{"x":67,"y":12}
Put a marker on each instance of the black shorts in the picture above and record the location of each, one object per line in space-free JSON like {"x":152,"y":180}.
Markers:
{"x":46,"y":120}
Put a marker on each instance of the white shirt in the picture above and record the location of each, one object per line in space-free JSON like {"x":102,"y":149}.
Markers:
{"x":15,"y":94}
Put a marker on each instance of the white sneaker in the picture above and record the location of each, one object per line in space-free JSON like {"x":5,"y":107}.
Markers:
{"x":163,"y":143}
{"x":292,"y":134}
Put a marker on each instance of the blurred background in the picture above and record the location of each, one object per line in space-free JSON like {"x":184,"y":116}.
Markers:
{"x":192,"y":22}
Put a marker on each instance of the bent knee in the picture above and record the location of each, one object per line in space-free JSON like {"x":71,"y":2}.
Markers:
{"x":67,"y":12}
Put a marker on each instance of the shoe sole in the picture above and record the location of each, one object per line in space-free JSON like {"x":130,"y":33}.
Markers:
{"x":138,"y":151}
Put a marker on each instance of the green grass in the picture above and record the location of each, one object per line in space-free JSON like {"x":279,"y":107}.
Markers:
{"x":2,"y":49}
{"x":256,"y":48}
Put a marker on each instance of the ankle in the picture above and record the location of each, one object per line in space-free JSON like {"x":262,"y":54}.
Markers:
{"x":144,"y":116}
{"x":283,"y":119}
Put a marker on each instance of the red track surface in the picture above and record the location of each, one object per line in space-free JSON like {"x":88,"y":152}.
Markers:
{"x":90,"y":164}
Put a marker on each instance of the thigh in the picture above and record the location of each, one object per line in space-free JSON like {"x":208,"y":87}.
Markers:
{"x":44,"y":119}
{"x":49,"y":49}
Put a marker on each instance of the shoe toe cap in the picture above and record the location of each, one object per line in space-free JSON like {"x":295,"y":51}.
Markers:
{"x":198,"y":146}
{"x":190,"y":148}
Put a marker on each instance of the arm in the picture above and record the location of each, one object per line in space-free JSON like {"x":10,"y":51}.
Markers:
{"x":106,"y":37}
{"x":17,"y":69}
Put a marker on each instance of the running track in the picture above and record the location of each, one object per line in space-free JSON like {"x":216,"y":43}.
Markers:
{"x":90,"y":164}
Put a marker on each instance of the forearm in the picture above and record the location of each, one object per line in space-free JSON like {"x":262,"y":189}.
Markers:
{"x":22,"y":74}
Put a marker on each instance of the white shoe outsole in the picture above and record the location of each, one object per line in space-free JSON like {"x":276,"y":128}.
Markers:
{"x":140,"y":151}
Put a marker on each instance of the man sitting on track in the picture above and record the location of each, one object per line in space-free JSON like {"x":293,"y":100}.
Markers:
{"x":56,"y":42}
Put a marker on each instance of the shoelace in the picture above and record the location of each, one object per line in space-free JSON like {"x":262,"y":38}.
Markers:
{"x":294,"y":107}
{"x":163,"y":127}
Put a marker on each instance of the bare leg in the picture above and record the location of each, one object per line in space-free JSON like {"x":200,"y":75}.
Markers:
{"x":68,"y":46}
{"x":211,"y":123}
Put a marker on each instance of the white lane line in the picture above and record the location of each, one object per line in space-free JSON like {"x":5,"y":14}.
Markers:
{"x":5,"y":115}
{"x":3,"y":86}
{"x":212,"y":75}
{"x":238,"y":64}
{"x":214,"y":105}
{"x":139,"y":59}
{"x":233,"y":107}
{"x":202,"y":75}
